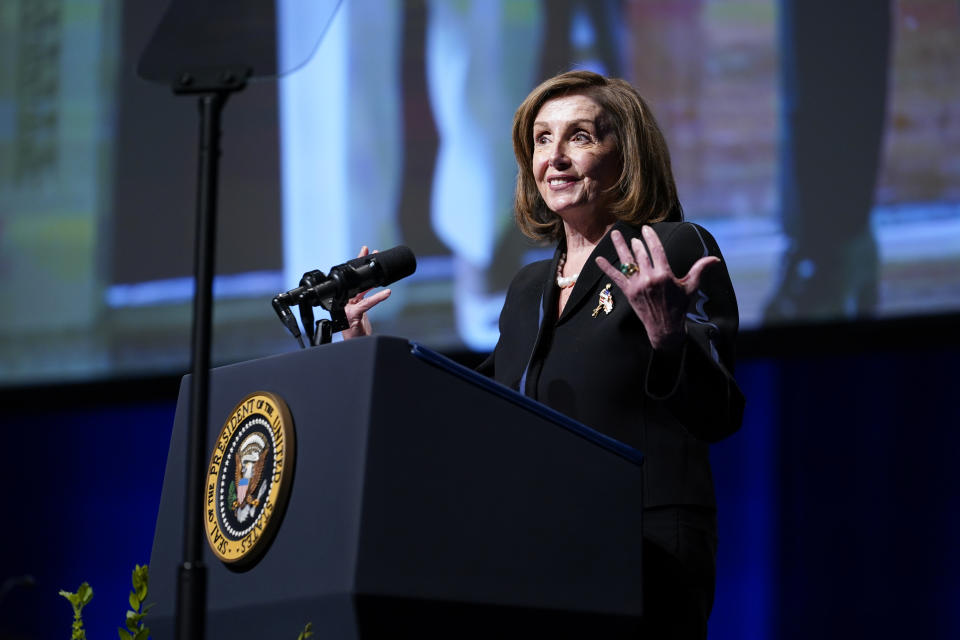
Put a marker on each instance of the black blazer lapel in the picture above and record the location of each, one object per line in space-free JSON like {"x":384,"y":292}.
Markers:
{"x":551,"y":294}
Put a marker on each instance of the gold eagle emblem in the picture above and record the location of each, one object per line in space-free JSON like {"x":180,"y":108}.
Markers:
{"x":248,"y":470}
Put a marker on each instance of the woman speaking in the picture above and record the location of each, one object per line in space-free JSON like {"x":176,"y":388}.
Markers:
{"x":630,"y":328}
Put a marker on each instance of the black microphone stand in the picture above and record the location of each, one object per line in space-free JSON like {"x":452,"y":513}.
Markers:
{"x":210,"y":49}
{"x":212,"y":90}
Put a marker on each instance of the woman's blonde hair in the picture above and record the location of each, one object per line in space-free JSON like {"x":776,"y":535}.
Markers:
{"x":644,"y":192}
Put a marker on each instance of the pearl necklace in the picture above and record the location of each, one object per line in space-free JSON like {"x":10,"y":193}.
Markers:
{"x":564,"y":282}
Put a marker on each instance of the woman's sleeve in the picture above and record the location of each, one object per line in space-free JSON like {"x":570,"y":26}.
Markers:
{"x":696,"y":384}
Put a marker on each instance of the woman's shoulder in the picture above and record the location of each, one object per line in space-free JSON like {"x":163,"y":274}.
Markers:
{"x":685,"y":237}
{"x":526,"y":288}
{"x":673,"y":231}
{"x":532,"y":273}
{"x":684,"y":242}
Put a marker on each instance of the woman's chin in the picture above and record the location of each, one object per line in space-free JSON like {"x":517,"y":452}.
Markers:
{"x":571,"y":207}
{"x":578,"y":212}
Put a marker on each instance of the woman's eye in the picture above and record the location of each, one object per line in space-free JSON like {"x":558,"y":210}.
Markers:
{"x":540,"y":139}
{"x":581,"y":136}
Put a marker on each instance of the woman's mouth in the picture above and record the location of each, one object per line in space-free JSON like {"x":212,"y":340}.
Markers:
{"x":558,"y":182}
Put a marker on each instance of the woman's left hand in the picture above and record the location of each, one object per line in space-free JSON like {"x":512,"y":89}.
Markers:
{"x":657,"y":296}
{"x":357,"y":307}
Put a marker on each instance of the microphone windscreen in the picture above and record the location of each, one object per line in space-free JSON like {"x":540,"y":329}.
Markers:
{"x":396,"y":263}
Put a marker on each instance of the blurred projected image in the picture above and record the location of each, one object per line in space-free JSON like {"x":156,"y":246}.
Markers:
{"x":55,"y":175}
{"x":868,"y":174}
{"x":798,"y":130}
{"x":818,"y":142}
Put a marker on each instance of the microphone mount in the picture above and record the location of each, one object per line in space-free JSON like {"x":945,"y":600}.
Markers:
{"x":306,"y":298}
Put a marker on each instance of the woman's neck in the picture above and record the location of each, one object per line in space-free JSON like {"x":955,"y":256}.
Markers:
{"x":584,"y":237}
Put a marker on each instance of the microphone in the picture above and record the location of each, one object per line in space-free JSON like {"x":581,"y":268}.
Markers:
{"x":343,"y":282}
{"x":354,"y":276}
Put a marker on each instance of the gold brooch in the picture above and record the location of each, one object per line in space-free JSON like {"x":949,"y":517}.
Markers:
{"x":606,"y":301}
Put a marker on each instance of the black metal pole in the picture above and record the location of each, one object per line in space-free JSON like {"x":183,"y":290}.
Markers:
{"x":192,"y":575}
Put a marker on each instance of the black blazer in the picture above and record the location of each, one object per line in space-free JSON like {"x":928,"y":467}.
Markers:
{"x":603,"y":372}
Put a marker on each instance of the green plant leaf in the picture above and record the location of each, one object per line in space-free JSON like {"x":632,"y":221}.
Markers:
{"x":147,"y":608}
{"x":139,"y":577}
{"x":84,"y":594}
{"x":124,"y":635}
{"x":71,"y":597}
{"x":141,"y":581}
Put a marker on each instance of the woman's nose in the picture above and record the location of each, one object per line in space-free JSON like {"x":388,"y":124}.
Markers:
{"x":558,"y":157}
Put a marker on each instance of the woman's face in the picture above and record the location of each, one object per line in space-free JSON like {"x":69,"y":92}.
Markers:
{"x":575,"y":156}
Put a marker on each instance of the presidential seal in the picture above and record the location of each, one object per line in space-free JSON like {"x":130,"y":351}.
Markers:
{"x":249,"y":479}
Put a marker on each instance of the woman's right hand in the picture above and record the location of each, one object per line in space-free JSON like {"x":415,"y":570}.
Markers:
{"x":357,"y":307}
